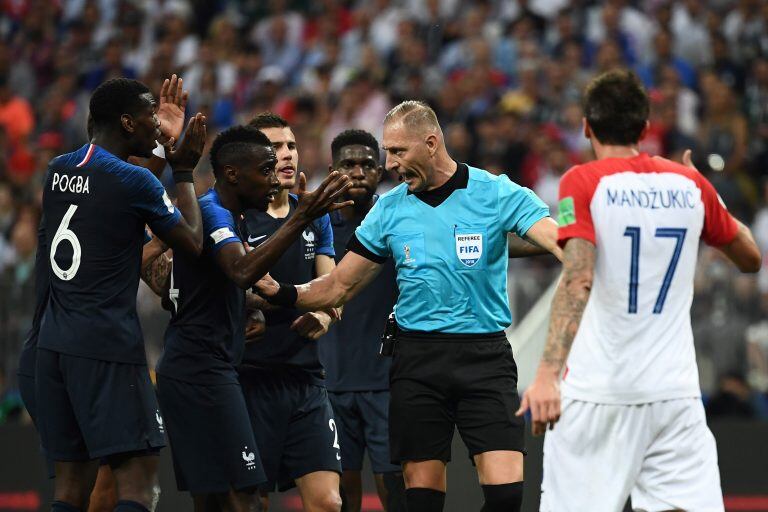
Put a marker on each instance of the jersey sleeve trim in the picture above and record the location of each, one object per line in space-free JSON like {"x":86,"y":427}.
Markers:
{"x":357,"y":246}
{"x":574,"y":218}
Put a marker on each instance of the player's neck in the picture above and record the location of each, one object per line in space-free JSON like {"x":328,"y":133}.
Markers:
{"x":607,"y":151}
{"x":229,"y":199}
{"x":280,"y":207}
{"x":356,"y":211}
{"x":111,"y":144}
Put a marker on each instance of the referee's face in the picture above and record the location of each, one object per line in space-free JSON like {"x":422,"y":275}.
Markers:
{"x":407,"y":155}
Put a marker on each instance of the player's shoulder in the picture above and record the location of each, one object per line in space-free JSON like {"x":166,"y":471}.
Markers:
{"x":211,"y":208}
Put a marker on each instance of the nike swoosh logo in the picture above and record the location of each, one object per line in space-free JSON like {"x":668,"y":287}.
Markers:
{"x":251,"y":240}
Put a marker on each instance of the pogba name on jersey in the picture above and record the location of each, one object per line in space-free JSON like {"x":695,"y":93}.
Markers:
{"x":73,"y":184}
{"x":651,"y":198}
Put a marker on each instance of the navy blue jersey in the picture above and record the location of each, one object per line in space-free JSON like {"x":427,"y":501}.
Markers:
{"x":204,"y":340}
{"x":95,"y":207}
{"x":42,"y":282}
{"x":350,"y":350}
{"x":280,"y":346}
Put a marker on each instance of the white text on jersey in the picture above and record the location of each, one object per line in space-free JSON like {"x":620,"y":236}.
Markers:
{"x":74,"y":184}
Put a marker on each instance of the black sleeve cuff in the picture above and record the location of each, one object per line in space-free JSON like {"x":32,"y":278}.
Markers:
{"x":356,"y":246}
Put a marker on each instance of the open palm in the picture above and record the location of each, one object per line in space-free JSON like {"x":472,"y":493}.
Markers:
{"x":171,"y":109}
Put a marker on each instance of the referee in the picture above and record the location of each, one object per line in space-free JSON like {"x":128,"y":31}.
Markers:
{"x":446,"y":229}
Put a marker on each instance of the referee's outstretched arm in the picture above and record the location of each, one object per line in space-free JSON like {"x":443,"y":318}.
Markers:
{"x":541,"y":238}
{"x":352,"y":274}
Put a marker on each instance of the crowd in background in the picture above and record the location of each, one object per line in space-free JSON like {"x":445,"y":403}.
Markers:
{"x":505,"y":77}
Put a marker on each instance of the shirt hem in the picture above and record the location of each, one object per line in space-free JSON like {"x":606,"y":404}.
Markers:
{"x":630,"y":398}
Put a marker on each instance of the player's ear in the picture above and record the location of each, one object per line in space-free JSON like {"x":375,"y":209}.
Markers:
{"x":379,"y":173}
{"x":126,"y":121}
{"x":586,"y":128}
{"x":230,"y":174}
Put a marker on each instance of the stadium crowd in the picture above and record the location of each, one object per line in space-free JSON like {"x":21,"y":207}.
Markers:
{"x":505,"y":78}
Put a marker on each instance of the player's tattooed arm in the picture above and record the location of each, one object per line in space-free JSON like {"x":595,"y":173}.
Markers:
{"x":569,"y":302}
{"x":156,"y":274}
{"x":543,"y":396}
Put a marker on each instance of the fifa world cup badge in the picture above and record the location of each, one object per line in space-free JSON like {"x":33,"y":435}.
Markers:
{"x":407,"y":250}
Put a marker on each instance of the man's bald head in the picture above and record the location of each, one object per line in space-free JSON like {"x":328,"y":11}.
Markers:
{"x":416,"y":116}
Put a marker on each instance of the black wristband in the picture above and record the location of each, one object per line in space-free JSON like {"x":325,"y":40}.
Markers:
{"x":184,"y":177}
{"x":286,"y":296}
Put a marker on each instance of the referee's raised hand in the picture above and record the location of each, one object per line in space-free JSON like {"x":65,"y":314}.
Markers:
{"x":323,"y":199}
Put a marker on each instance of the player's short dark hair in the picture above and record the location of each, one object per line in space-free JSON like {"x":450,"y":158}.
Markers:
{"x":114,"y":98}
{"x":232,"y":146}
{"x":268,"y":120}
{"x":616,"y":107}
{"x":354,"y":137}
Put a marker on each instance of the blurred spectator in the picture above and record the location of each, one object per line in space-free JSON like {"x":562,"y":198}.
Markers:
{"x":732,"y":400}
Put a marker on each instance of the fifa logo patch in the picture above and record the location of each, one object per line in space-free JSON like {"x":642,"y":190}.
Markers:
{"x":469,"y":248}
{"x":249,"y":458}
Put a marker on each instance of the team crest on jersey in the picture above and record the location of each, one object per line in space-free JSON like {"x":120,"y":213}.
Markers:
{"x":249,"y":458}
{"x":469,"y":248}
{"x":309,"y":244}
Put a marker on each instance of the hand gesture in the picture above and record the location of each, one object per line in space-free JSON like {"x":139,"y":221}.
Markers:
{"x":184,"y":156}
{"x":312,"y":325}
{"x":543,"y":399}
{"x":255,"y":326}
{"x":266,"y":286}
{"x":687,"y":161}
{"x":321,"y":201}
{"x":170,"y":111}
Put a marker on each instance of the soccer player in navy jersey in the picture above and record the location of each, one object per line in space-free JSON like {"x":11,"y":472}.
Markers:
{"x":154,"y":272}
{"x":214,"y":451}
{"x":357,"y":377}
{"x":281,"y":374}
{"x":93,"y":392}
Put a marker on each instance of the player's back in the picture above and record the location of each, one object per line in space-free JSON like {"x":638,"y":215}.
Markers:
{"x":95,"y":206}
{"x":645,"y":217}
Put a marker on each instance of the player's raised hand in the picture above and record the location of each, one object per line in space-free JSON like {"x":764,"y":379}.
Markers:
{"x":687,"y":160}
{"x":183,"y":157}
{"x":542,"y":398}
{"x":171,"y":108}
{"x":322,"y":200}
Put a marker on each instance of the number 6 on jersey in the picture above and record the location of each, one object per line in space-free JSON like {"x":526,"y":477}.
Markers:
{"x":64,"y":233}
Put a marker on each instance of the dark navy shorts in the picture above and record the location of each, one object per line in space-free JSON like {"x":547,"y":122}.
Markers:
{"x":27,"y":390}
{"x":362,"y":418}
{"x":210,"y":436}
{"x":293,"y":423}
{"x":89,"y":409}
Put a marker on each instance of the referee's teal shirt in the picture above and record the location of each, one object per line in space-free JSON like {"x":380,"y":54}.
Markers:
{"x":451,"y":259}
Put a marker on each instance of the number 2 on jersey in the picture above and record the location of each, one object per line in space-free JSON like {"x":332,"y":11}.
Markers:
{"x":64,"y":233}
{"x":633,"y":232}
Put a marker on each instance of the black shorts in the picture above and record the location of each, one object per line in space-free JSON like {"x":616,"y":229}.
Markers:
{"x":362,"y":420}
{"x":441,"y":382}
{"x":293,"y":423}
{"x":210,"y":435}
{"x":88,"y":408}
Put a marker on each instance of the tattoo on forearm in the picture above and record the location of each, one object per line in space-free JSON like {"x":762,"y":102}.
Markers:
{"x":156,"y":274}
{"x":569,"y":301}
